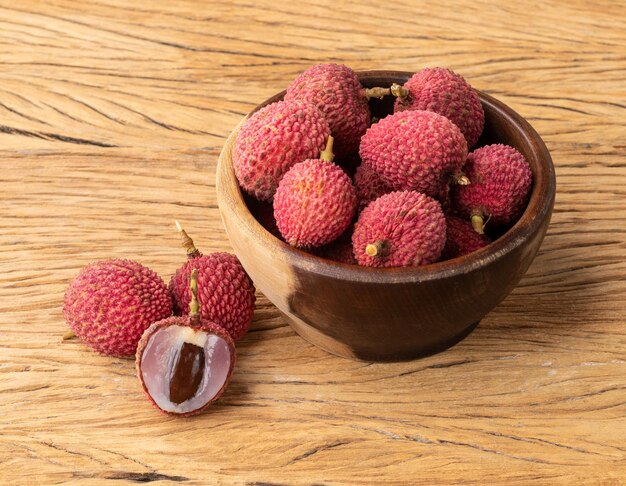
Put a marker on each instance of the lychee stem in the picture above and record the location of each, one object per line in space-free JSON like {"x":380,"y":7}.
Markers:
{"x":327,"y":153}
{"x":376,"y":249}
{"x":461,"y":180}
{"x":478,"y":223}
{"x":192,"y":251}
{"x":194,"y":306}
{"x":68,"y":335}
{"x":399,"y":91}
{"x":376,"y":92}
{"x":379,"y":93}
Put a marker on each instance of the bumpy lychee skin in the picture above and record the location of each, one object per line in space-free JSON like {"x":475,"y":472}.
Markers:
{"x":461,"y":239}
{"x":225,"y":291}
{"x":272,"y":140}
{"x":314,"y":203}
{"x":501,"y":181}
{"x":399,"y":229}
{"x":184,"y":363}
{"x":447,"y":93}
{"x":335,"y":89}
{"x":415,"y":150}
{"x":368,"y":186}
{"x":110,"y":303}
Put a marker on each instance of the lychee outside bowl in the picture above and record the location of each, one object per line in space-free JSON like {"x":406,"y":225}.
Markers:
{"x":393,"y":314}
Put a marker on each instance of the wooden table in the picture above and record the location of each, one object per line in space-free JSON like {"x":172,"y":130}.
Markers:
{"x":112,"y":115}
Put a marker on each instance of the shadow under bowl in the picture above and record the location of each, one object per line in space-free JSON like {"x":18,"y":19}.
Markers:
{"x":392,"y":314}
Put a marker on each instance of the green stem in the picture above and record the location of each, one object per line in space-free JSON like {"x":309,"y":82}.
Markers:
{"x":327,"y":153}
{"x":478,"y":223}
{"x":194,"y":306}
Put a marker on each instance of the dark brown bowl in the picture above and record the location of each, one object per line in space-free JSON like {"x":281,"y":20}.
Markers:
{"x":393,"y":314}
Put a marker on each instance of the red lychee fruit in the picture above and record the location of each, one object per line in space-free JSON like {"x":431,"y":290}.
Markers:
{"x":461,"y":239}
{"x":501,"y":180}
{"x":447,"y":93}
{"x":110,"y":303}
{"x":415,"y":150}
{"x":399,"y":229}
{"x":225,"y":291}
{"x":315,"y":202}
{"x":184,"y":363}
{"x":272,"y":140}
{"x":368,"y":186}
{"x":335,"y":89}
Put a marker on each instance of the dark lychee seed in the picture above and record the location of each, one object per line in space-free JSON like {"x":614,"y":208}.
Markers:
{"x":188,"y":369}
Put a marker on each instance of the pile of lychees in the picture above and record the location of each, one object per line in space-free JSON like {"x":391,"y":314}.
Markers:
{"x":416,"y":198}
{"x":183,"y":336}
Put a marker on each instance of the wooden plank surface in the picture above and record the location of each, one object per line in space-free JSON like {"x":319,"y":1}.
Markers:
{"x":112,"y":114}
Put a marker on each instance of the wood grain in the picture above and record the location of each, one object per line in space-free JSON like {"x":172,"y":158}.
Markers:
{"x":112,"y":114}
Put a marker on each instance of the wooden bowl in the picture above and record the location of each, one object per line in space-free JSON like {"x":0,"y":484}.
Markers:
{"x":392,"y":314}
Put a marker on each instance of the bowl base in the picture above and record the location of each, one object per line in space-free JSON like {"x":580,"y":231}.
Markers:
{"x":332,"y":346}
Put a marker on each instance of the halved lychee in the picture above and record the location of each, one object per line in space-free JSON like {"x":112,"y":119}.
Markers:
{"x":184,"y":363}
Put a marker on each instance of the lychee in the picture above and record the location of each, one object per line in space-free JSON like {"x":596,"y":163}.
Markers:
{"x":447,"y":93}
{"x":225,"y":292}
{"x":368,"y":186}
{"x":335,"y":89}
{"x":501,"y":180}
{"x":399,"y":229}
{"x":110,"y":303}
{"x":184,"y":363}
{"x":272,"y":140}
{"x":315,"y":202}
{"x":415,"y":150}
{"x":461,"y":239}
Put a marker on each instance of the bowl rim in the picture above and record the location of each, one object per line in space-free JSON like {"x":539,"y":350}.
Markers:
{"x":539,"y":207}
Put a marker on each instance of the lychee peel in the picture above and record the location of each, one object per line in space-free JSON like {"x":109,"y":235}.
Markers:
{"x":110,"y":303}
{"x":461,"y":239}
{"x":273,"y":139}
{"x":501,"y":181}
{"x":315,"y":202}
{"x":447,"y":93}
{"x":335,"y":89}
{"x":402,"y":228}
{"x":415,"y":150}
{"x":225,"y":292}
{"x":369,"y":186}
